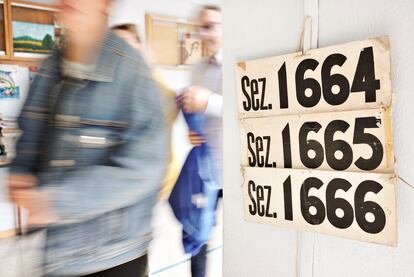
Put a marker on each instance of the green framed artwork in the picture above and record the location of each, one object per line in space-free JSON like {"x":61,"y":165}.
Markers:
{"x":33,"y":38}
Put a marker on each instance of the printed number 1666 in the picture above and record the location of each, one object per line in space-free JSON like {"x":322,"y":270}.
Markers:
{"x":369,"y":215}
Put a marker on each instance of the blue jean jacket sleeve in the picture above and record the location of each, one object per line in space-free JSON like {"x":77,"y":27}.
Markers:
{"x":136,"y":168}
{"x":33,"y":120}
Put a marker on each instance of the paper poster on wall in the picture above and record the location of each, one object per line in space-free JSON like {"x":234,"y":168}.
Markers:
{"x":14,"y":84}
{"x":191,"y":48}
{"x":316,"y":130}
{"x":8,"y":86}
{"x":32,"y":73}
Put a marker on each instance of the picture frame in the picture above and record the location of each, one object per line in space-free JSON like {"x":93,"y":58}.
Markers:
{"x":173,"y":41}
{"x":191,"y":48}
{"x":33,"y":37}
{"x":32,"y":15}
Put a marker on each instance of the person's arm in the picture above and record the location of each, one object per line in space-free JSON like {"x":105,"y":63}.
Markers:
{"x":32,"y":122}
{"x":33,"y":119}
{"x":198,"y":98}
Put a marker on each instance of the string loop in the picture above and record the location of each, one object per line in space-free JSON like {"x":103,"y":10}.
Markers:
{"x":307,"y":20}
{"x":405,"y":182}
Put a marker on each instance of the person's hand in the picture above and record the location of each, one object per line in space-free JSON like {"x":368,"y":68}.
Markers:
{"x":17,"y":182}
{"x":37,"y":203}
{"x":195,"y":99}
{"x":196,"y":139}
{"x":23,"y":192}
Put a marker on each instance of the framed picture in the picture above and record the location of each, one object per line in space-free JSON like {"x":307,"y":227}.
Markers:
{"x":191,"y":49}
{"x":33,"y":38}
{"x":28,"y":32}
{"x":173,"y":41}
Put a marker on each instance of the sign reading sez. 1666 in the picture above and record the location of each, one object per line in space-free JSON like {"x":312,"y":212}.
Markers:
{"x":316,"y":138}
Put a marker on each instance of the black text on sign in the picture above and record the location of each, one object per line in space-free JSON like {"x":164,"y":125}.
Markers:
{"x":317,"y":142}
{"x":352,"y":76}
{"x":344,"y":204}
{"x":348,"y":141}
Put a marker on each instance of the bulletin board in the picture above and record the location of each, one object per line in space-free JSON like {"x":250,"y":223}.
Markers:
{"x":173,"y":41}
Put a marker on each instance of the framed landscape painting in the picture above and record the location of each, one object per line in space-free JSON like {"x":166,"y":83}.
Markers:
{"x":33,"y":38}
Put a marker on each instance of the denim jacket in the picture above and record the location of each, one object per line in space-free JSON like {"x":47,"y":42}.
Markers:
{"x":98,"y":147}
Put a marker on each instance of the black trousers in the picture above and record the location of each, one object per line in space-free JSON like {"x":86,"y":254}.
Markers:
{"x":134,"y":268}
{"x":199,"y":263}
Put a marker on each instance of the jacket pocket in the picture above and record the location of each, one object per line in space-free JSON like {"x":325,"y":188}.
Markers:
{"x":94,"y":140}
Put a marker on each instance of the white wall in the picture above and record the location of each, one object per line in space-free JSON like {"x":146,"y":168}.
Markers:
{"x":255,"y":29}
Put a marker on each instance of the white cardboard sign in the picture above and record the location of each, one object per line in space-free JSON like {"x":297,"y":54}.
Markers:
{"x":352,"y":76}
{"x":344,"y":204}
{"x":352,"y":141}
{"x":316,"y":141}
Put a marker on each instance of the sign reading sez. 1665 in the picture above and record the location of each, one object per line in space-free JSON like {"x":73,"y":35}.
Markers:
{"x":316,"y":138}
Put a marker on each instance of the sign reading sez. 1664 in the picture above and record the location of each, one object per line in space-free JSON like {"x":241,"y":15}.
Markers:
{"x":316,"y":138}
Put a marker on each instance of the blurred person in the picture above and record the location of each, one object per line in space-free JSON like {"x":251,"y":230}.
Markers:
{"x":92,"y":154}
{"x":205,"y":93}
{"x":129,"y":33}
{"x":204,"y":96}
